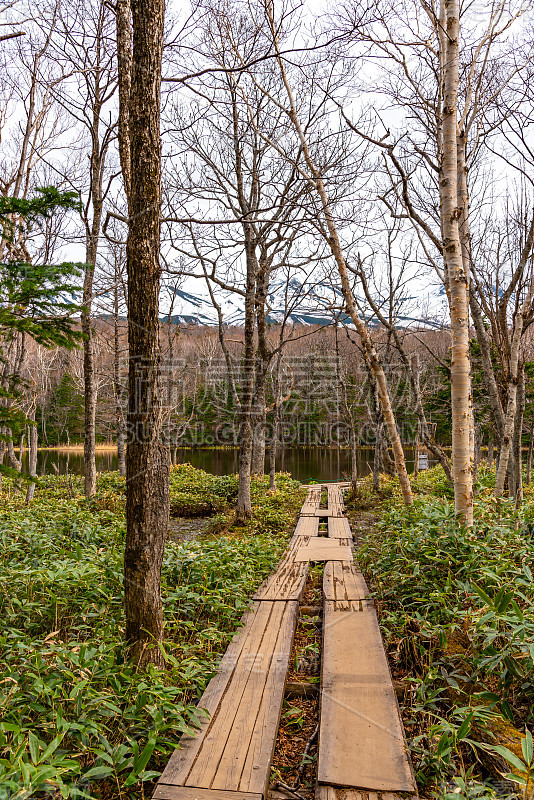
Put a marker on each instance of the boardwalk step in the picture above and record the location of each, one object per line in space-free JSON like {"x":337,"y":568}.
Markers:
{"x":339,"y":528}
{"x":233,"y":751}
{"x":307,"y":526}
{"x":322,"y":549}
{"x":361,"y":737}
{"x":165,"y":792}
{"x":332,"y":793}
{"x":287,"y":583}
{"x":343,"y":581}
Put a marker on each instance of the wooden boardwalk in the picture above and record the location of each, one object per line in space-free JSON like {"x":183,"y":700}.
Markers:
{"x":361,"y":739}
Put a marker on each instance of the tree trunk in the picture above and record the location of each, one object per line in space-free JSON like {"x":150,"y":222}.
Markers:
{"x":518,"y":435}
{"x":119,"y":414}
{"x":260,"y":418}
{"x":359,"y":324}
{"x":147,"y":460}
{"x":15,"y":462}
{"x":272,"y":450}
{"x":529,"y":453}
{"x":491,"y":448}
{"x":511,"y":406}
{"x":416,"y":456}
{"x":32,"y":461}
{"x":92,"y":234}
{"x":377,"y":413}
{"x":353,"y":455}
{"x":277,"y":391}
{"x":490,"y":381}
{"x":89,"y":432}
{"x":456,"y":276}
{"x":2,"y":455}
{"x":244,"y":504}
{"x":124,"y":69}
{"x":477,"y":449}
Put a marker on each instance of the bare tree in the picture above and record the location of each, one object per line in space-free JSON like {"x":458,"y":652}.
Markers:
{"x":147,"y":459}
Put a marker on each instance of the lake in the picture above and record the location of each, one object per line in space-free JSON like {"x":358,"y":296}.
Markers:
{"x":304,"y":463}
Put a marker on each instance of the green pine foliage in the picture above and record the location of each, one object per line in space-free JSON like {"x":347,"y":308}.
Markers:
{"x":36,"y":300}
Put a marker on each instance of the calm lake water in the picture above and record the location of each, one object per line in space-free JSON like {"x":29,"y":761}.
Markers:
{"x":306,"y":463}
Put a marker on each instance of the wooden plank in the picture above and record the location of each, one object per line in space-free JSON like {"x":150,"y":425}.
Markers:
{"x":351,"y":794}
{"x":343,"y":581}
{"x":320,"y":550}
{"x":203,"y":769}
{"x":317,"y":512}
{"x":339,"y":528}
{"x":312,"y":500}
{"x":183,"y":757}
{"x":287,"y":583}
{"x":325,"y":793}
{"x":331,"y":793}
{"x":361,"y":737}
{"x":289,"y":579}
{"x":307,"y":526}
{"x":335,"y":500}
{"x":235,"y":735}
{"x":166,"y":792}
{"x":256,"y":770}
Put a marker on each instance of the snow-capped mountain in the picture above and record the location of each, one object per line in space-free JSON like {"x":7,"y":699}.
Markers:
{"x":316,"y":304}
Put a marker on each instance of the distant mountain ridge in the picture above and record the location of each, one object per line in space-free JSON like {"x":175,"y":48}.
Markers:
{"x":310,"y":305}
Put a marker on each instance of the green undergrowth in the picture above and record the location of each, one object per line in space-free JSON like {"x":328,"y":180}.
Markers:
{"x":456,"y":608}
{"x":76,"y":718}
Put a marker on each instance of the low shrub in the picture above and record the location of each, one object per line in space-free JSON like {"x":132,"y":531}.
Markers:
{"x":76,"y":719}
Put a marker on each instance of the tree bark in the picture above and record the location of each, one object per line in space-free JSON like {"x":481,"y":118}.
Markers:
{"x":456,"y":276}
{"x":119,"y":414}
{"x":529,"y":453}
{"x":244,"y":504}
{"x":518,"y":435}
{"x":32,"y":460}
{"x":90,"y":395}
{"x":511,"y":406}
{"x":361,"y":328}
{"x":378,"y":437}
{"x":147,"y":461}
{"x":260,"y":418}
{"x":123,"y":15}
{"x":277,"y":391}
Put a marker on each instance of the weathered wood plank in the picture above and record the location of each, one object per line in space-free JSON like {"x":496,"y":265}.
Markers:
{"x":287,"y":583}
{"x":322,"y":549}
{"x":307,"y":526}
{"x":339,"y":528}
{"x":312,"y":500}
{"x":325,"y":793}
{"x":167,"y":792}
{"x":335,"y":500}
{"x":256,"y":770}
{"x":235,"y":732}
{"x":332,"y":793}
{"x":182,"y":759}
{"x":343,"y":581}
{"x":249,"y":662}
{"x":361,"y":738}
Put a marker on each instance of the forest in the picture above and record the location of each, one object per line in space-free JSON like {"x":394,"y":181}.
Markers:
{"x":266,"y":267}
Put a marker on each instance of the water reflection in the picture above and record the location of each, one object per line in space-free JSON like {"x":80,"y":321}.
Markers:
{"x":304,"y":463}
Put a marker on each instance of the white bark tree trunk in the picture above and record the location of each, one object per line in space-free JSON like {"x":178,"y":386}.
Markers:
{"x":361,"y":328}
{"x":457,"y":278}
